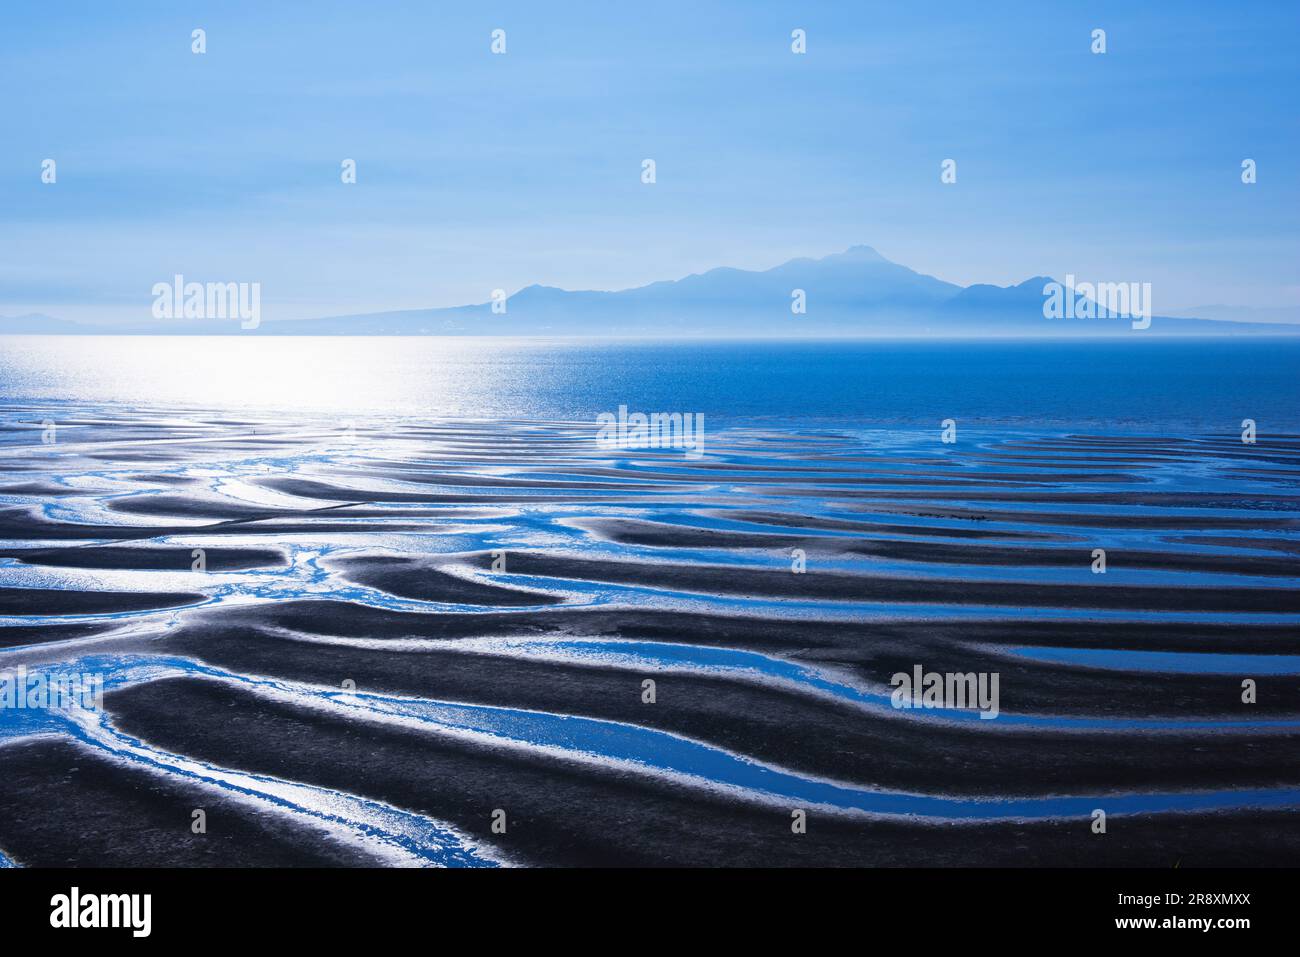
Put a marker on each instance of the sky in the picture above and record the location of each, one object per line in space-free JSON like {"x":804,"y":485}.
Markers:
{"x":478,"y":171}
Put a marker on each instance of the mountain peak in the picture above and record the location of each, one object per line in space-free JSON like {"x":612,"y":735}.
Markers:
{"x":862,"y":254}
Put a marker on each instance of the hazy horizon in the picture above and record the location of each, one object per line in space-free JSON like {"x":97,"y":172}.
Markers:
{"x":863,"y":294}
{"x":477,"y":171}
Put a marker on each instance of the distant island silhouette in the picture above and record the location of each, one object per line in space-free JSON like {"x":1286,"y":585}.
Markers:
{"x":855,"y":293}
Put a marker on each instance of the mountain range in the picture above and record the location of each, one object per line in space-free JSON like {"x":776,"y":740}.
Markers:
{"x":854,"y":293}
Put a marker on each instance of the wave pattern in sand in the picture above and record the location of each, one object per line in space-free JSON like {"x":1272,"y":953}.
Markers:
{"x":429,"y":643}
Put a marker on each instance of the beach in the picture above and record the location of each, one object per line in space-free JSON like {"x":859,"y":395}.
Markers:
{"x":400,"y":628}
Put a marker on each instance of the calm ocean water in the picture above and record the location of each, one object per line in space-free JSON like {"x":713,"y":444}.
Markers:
{"x":1130,"y":385}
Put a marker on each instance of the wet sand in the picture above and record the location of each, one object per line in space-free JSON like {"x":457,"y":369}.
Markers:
{"x":434,"y":621}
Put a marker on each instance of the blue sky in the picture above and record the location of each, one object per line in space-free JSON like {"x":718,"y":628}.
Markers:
{"x":478,"y":171}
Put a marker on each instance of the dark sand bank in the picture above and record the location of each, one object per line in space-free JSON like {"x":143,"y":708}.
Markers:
{"x":64,"y":805}
{"x":592,"y":815}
